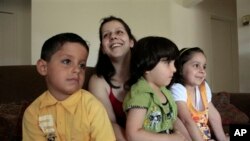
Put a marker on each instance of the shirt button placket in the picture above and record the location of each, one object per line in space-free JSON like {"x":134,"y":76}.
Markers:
{"x":60,"y":120}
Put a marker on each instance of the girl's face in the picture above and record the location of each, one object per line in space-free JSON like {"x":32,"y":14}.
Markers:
{"x":194,"y":72}
{"x":161,"y":75}
{"x":65,"y":72}
{"x":115,"y":40}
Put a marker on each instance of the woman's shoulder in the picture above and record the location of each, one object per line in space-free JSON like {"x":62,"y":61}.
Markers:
{"x":97,"y":85}
{"x":96,"y":80}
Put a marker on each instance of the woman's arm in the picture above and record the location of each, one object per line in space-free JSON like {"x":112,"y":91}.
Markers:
{"x":135,"y":131}
{"x":185,"y":117}
{"x":216,"y":124}
{"x":98,"y":87}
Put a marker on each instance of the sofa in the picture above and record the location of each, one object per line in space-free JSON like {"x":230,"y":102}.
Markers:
{"x":20,"y":85}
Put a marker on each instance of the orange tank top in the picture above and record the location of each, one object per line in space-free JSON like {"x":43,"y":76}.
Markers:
{"x":200,"y":117}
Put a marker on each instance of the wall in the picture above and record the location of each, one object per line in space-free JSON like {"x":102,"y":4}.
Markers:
{"x":15,"y":32}
{"x":83,"y":17}
{"x":187,"y":27}
{"x":244,"y":45}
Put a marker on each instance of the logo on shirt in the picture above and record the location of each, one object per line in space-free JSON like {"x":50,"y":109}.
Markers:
{"x":155,"y":118}
{"x":46,"y":123}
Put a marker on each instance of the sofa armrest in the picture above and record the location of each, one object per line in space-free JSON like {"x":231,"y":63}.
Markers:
{"x":241,"y":101}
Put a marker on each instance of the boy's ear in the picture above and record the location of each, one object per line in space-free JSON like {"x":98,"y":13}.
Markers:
{"x":41,"y":67}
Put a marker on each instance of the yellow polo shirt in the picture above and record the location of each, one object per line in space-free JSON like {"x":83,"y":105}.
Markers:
{"x":81,"y":117}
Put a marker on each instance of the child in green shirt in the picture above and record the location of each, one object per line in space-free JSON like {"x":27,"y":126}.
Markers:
{"x":150,"y":108}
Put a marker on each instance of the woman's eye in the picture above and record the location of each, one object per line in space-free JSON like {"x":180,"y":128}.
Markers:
{"x":119,"y":32}
{"x":66,"y":61}
{"x":104,"y":36}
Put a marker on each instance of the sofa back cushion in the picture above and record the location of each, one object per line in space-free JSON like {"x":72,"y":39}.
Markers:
{"x":24,"y":83}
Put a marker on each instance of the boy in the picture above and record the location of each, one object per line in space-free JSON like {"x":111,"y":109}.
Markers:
{"x":65,"y":112}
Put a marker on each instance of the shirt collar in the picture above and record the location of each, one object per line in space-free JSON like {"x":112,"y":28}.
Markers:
{"x":69,"y":104}
{"x":142,"y":86}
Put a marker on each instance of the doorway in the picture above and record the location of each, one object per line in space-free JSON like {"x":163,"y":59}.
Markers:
{"x":223,"y":54}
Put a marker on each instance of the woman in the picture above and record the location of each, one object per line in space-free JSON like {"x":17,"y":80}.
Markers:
{"x":112,"y":70}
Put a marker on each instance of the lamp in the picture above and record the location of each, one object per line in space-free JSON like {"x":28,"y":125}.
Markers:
{"x":190,"y":3}
{"x":245,"y":20}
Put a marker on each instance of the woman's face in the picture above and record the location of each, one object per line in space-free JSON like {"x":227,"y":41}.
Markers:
{"x":115,"y":40}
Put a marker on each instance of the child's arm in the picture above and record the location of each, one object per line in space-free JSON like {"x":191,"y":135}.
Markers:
{"x":216,"y":124}
{"x":179,"y":126}
{"x":135,"y":131}
{"x":97,"y":87}
{"x":188,"y":122}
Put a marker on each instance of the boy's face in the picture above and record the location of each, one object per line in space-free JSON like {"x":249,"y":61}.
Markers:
{"x":65,"y":72}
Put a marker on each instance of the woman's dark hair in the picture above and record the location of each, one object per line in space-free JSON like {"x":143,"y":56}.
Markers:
{"x":55,"y":43}
{"x":147,"y":53}
{"x":184,"y":56}
{"x":104,"y":66}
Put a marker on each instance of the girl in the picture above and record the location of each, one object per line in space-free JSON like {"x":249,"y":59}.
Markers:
{"x":193,"y":96}
{"x":112,"y":70}
{"x":151,"y":110}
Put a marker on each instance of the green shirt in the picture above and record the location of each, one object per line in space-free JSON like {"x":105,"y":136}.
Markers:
{"x":159,"y":117}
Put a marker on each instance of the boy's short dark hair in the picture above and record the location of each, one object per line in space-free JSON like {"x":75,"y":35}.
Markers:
{"x":55,"y":43}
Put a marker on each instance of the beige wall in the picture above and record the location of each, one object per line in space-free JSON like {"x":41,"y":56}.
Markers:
{"x":244,"y":45}
{"x":187,"y":27}
{"x":15,"y":32}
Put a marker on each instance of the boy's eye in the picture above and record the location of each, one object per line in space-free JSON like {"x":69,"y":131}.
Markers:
{"x":66,"y":61}
{"x":204,"y":67}
{"x":196,"y":65}
{"x":166,"y":61}
{"x":82,"y":66}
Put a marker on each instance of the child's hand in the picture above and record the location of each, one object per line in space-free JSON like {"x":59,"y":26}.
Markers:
{"x":227,"y":137}
{"x":179,"y":136}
